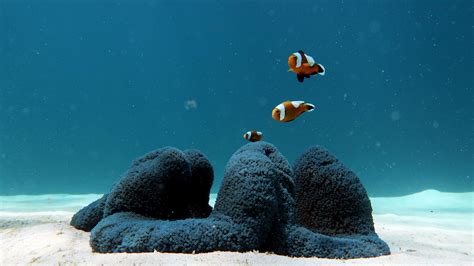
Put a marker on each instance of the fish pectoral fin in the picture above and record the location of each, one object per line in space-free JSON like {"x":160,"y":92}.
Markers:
{"x":307,"y":76}
{"x":300,"y":78}
{"x":290,"y":70}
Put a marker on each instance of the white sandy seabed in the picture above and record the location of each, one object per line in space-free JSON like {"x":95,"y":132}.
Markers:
{"x":429,"y":227}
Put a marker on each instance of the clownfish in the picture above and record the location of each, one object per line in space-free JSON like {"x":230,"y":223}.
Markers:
{"x":290,"y":110}
{"x":253,"y":136}
{"x":304,"y":66}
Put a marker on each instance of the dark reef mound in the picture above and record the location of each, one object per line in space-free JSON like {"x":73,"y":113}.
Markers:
{"x":334,"y":210}
{"x":330,"y":198}
{"x":201,"y":182}
{"x":156,"y":183}
{"x":248,"y":214}
{"x":89,"y":216}
{"x":256,"y":193}
{"x":164,"y":184}
{"x":255,"y":209}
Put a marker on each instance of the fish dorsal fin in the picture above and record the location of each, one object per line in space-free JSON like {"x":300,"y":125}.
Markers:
{"x":297,"y":104}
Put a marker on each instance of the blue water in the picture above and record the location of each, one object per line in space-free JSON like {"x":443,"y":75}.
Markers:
{"x":87,"y":86}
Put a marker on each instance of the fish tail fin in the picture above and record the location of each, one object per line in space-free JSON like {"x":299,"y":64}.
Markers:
{"x":309,"y":107}
{"x":300,"y":77}
{"x":321,"y":70}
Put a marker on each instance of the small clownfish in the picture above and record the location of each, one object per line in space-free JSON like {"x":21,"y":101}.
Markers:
{"x":253,"y":136}
{"x":304,"y":66}
{"x":290,"y":110}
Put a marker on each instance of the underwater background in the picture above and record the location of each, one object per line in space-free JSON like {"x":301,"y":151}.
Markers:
{"x":87,"y":86}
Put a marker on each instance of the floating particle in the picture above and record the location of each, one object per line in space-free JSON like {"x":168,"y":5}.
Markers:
{"x":395,"y":115}
{"x":25,"y":111}
{"x":262,"y":101}
{"x":435,"y":124}
{"x":190,"y":104}
{"x":315,"y":8}
{"x":374,"y":26}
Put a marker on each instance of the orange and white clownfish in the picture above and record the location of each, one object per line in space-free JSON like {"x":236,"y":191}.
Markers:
{"x":290,"y":110}
{"x":253,"y":136}
{"x":304,"y":66}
